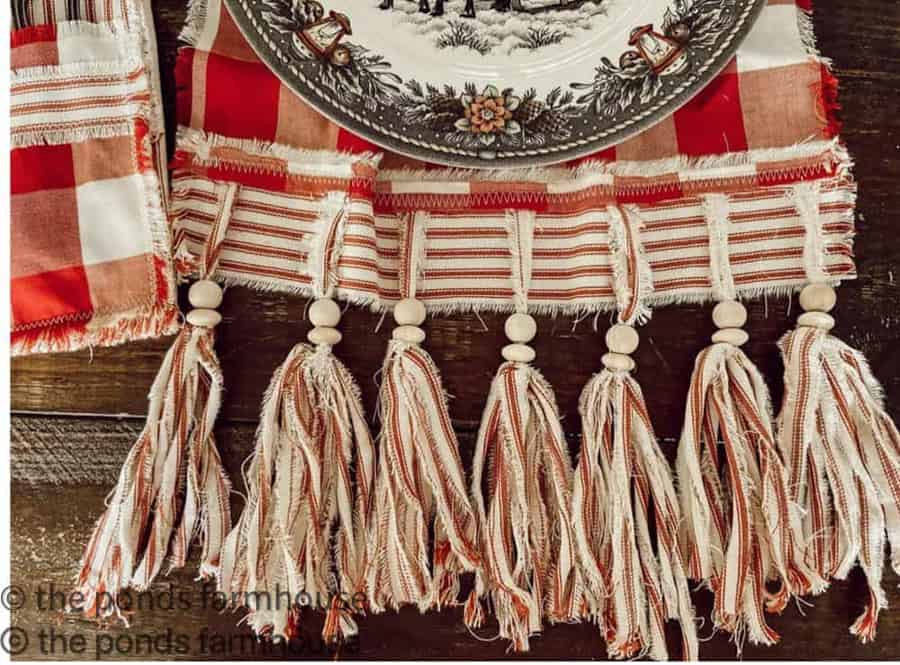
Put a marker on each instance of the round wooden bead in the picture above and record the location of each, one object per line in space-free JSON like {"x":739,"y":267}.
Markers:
{"x":729,"y":314}
{"x":617,"y":361}
{"x":324,"y":335}
{"x":205,"y":294}
{"x":622,"y":339}
{"x":409,"y":312}
{"x":817,"y":298}
{"x":520,"y":328}
{"x":816,"y":320}
{"x":325,"y":313}
{"x":411,"y":334}
{"x":206,"y":318}
{"x":733,"y":336}
{"x":519,"y":353}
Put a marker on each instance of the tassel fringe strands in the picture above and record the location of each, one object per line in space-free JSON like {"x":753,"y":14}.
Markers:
{"x":739,"y":529}
{"x":146,"y":518}
{"x":843,"y":452}
{"x":302,"y":532}
{"x":420,"y":484}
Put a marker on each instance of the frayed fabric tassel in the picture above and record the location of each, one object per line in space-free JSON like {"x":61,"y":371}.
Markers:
{"x":420,"y":482}
{"x":740,"y":530}
{"x":843,"y":453}
{"x":523,"y":509}
{"x":146,"y":519}
{"x":301,"y":539}
{"x":631,"y":587}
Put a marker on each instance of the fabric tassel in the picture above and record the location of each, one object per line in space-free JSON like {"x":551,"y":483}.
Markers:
{"x":312,"y":449}
{"x":301,"y":539}
{"x":632,"y":587}
{"x":739,"y":530}
{"x":146,"y":519}
{"x":520,"y":481}
{"x":420,"y":480}
{"x":841,"y":447}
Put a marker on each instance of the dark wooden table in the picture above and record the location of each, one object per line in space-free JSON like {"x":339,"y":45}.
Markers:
{"x":76,"y":415}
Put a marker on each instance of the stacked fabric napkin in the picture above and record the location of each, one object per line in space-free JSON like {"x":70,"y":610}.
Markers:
{"x":90,"y":242}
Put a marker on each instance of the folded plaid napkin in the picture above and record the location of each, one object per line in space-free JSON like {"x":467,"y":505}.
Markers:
{"x":90,"y":245}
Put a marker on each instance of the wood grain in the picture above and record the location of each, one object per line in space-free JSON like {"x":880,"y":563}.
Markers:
{"x":63,"y":461}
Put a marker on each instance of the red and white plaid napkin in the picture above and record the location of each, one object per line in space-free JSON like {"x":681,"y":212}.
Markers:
{"x":90,"y":244}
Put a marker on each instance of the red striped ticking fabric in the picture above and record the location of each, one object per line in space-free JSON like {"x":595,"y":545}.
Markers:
{"x":467,"y":262}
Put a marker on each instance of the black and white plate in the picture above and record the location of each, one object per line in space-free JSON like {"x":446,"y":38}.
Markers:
{"x":489,"y":83}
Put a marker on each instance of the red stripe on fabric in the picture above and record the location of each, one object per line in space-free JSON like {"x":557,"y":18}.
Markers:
{"x":228,"y":84}
{"x":712,"y":122}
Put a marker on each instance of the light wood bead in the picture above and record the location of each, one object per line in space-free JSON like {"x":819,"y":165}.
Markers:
{"x":519,"y":353}
{"x":205,"y":294}
{"x":733,"y":336}
{"x":411,"y":334}
{"x":617,"y":361}
{"x":818,"y":298}
{"x":324,"y":335}
{"x":623,"y":339}
{"x":324,"y":313}
{"x":205,"y":318}
{"x":816,"y":320}
{"x":520,"y":328}
{"x":729,"y":314}
{"x":409,"y":312}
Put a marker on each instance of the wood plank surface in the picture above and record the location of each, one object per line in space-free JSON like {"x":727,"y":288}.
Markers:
{"x":77,"y":414}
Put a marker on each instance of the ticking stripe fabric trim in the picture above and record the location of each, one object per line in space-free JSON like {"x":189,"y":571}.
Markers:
{"x":468,"y":262}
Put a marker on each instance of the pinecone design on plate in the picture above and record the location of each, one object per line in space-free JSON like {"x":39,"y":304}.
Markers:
{"x":445,"y":110}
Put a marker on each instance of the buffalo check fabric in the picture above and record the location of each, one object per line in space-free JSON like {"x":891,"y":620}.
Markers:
{"x":775,"y":74}
{"x":90,"y":245}
{"x":722,"y":141}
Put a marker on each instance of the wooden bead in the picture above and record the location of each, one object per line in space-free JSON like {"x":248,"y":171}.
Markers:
{"x":205,"y":294}
{"x":818,"y":297}
{"x":816,"y":320}
{"x":409,"y":312}
{"x":324,"y":335}
{"x":623,"y":339}
{"x":519,"y":353}
{"x":617,"y":362}
{"x":324,"y":313}
{"x":520,"y":328}
{"x":733,"y":336}
{"x":205,"y":318}
{"x":411,"y":334}
{"x":729,"y":314}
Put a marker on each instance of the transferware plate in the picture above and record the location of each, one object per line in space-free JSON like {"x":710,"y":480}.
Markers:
{"x":493,"y":83}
